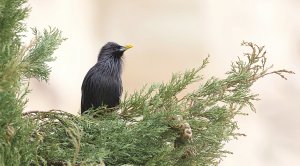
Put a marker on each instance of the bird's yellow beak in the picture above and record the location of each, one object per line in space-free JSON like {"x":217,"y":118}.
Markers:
{"x":128,"y":46}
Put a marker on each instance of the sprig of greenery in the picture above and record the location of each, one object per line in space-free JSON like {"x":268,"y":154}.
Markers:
{"x":35,"y":56}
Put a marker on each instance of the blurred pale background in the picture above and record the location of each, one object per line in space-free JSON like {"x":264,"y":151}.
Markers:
{"x":174,"y":35}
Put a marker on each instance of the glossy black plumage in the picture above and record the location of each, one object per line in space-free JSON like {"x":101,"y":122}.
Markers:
{"x":102,"y":84}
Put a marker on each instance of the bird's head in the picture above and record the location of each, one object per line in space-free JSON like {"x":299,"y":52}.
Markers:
{"x":113,"y":50}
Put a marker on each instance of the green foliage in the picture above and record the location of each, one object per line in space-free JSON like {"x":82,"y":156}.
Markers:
{"x":153,"y":126}
{"x":18,"y":63}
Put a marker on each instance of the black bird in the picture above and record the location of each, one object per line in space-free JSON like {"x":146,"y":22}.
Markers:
{"x":102,"y":85}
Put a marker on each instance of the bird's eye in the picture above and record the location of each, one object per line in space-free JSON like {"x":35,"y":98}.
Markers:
{"x":121,"y":49}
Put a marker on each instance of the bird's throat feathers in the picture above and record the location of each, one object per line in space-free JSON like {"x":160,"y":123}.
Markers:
{"x":111,"y":66}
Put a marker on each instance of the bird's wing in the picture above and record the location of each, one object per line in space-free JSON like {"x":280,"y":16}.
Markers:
{"x":86,"y":98}
{"x":99,"y":89}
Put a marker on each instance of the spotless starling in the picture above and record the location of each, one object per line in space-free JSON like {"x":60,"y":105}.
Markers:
{"x":102,"y":85}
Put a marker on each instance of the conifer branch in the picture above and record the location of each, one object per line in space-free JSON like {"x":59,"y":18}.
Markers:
{"x":154,"y":126}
